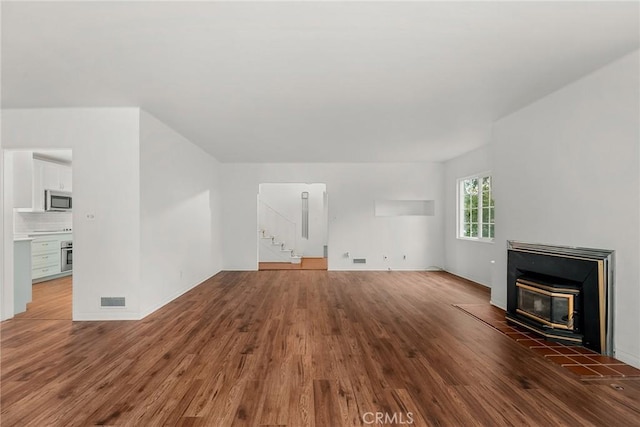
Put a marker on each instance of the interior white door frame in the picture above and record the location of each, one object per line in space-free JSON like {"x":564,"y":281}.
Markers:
{"x":6,"y":307}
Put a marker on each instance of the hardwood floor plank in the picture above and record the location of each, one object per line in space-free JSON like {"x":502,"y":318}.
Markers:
{"x":50,"y":300}
{"x":251,"y":404}
{"x":301,"y":397}
{"x":295,"y":348}
{"x":306,"y":263}
{"x":326,"y":408}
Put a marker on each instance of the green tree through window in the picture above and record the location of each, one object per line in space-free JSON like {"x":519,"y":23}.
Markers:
{"x":477,"y":209}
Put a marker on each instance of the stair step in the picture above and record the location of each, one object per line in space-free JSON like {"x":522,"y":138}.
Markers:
{"x":287,"y":254}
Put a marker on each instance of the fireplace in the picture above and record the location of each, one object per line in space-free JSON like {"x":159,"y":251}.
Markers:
{"x":551,"y":305}
{"x":562,"y":293}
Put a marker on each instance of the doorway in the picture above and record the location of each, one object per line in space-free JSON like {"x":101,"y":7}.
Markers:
{"x":38,"y":203}
{"x":292,"y":226}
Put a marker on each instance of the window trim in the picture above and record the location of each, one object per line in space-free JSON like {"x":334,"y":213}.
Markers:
{"x":459,"y":202}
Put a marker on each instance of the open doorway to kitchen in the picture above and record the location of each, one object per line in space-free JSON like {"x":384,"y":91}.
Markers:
{"x":38,"y":203}
{"x":292,"y":226}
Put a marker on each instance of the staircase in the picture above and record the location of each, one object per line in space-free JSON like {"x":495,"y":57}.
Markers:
{"x":277,"y":236}
{"x":274,"y":250}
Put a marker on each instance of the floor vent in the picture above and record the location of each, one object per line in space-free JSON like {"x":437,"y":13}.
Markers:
{"x":112,"y":302}
{"x":359,"y":260}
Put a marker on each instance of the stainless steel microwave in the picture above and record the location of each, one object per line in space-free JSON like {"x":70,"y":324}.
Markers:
{"x":60,"y":201}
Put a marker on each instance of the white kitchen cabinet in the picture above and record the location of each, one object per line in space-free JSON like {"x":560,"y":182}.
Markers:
{"x":49,"y":176}
{"x":22,"y":275}
{"x":65,"y":178}
{"x":46,"y":255}
{"x":38,"y":186}
{"x":22,"y":178}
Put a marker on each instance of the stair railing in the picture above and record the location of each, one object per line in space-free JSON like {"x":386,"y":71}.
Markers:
{"x":278,"y":225}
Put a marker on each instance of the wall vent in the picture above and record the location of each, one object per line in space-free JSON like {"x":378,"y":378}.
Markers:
{"x":112,"y":302}
{"x":359,"y":260}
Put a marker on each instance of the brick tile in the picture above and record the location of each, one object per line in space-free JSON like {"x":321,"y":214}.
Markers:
{"x":529,"y":342}
{"x":555,"y":344}
{"x":626,"y":370}
{"x":560,"y":360}
{"x":582,"y":371}
{"x":566,"y":350}
{"x":605,"y":360}
{"x":581,"y":360}
{"x":583,"y":350}
{"x":545,"y":351}
{"x":605,"y":371}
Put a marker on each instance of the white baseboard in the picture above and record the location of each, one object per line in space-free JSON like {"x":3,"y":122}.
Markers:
{"x":176,"y":295}
{"x":385,"y":269}
{"x":627,"y":358}
{"x":116,"y":313}
{"x":469,"y":278}
{"x":499,"y":305}
{"x":106,"y":315}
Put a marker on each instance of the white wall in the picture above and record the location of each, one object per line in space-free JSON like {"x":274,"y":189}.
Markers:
{"x":180,"y":238}
{"x":6,"y":232}
{"x":105,"y":184}
{"x":466,"y":258}
{"x":567,"y":171}
{"x":352,"y":190}
{"x":154,"y":197}
{"x":287,"y":200}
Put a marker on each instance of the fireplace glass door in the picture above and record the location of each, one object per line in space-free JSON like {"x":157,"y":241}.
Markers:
{"x":553,"y":308}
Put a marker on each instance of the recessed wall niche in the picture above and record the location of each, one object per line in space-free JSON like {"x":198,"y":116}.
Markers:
{"x":404,"y":208}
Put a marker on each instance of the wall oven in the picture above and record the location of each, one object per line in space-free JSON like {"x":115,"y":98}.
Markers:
{"x":57,"y":201}
{"x":66,"y":256}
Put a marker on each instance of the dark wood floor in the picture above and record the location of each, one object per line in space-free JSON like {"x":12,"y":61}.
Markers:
{"x":297,"y":348}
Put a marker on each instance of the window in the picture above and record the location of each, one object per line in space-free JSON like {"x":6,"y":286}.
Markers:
{"x":476,"y":208}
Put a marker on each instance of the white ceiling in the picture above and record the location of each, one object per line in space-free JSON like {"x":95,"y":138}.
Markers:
{"x":310,"y":81}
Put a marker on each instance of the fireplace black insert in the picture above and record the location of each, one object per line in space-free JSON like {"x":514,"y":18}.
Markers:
{"x":562,"y":293}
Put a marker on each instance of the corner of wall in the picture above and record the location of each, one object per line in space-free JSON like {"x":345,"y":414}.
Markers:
{"x":179,"y":214}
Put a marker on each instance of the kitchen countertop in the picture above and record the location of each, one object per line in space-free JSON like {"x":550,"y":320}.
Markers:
{"x":30,"y":236}
{"x":44,"y":233}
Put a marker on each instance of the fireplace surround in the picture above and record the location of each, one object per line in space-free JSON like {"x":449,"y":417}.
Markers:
{"x":562,"y":293}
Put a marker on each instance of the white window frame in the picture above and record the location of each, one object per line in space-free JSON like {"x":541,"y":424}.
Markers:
{"x":460,"y":203}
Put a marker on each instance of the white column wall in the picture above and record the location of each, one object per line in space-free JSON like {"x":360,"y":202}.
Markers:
{"x":179,"y":214}
{"x":567,"y":171}
{"x":106,"y":218}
